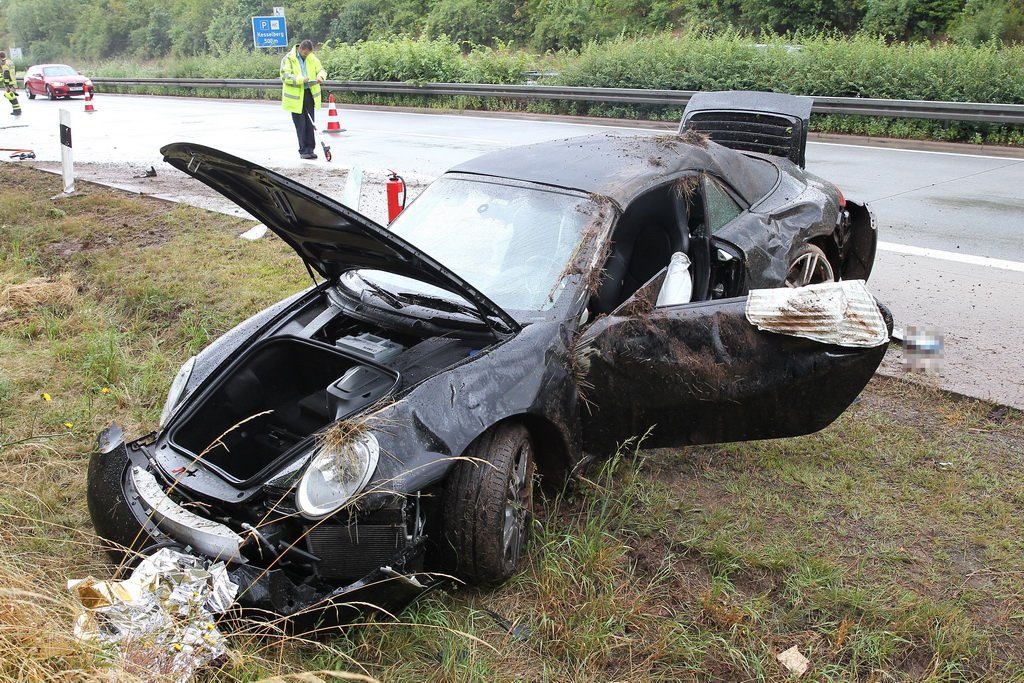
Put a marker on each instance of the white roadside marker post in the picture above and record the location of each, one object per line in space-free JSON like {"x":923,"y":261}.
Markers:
{"x":66,"y":158}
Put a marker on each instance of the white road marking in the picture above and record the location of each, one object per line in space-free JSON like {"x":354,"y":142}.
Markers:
{"x":951,"y":256}
{"x":912,"y":151}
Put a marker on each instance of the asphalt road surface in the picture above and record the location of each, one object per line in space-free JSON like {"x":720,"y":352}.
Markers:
{"x":951,"y":258}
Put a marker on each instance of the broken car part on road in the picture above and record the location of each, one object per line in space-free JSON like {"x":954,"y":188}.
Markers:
{"x":358,"y":442}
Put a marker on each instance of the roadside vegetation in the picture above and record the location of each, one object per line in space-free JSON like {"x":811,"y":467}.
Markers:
{"x":887,"y":547}
{"x":955,"y":50}
{"x":824,"y":65}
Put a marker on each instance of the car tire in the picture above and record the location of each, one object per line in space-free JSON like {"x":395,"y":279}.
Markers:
{"x":28,"y":91}
{"x":488,"y":507}
{"x":810,"y":266}
{"x":49,"y":93}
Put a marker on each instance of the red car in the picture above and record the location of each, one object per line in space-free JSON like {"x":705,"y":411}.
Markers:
{"x":55,"y":80}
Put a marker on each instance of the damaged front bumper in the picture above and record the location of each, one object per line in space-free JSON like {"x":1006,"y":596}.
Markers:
{"x":308,"y":580}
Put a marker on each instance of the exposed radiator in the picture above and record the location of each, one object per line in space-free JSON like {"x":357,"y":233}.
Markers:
{"x":353,"y":551}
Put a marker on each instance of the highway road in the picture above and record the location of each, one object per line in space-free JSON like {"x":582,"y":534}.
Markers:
{"x":951,"y":256}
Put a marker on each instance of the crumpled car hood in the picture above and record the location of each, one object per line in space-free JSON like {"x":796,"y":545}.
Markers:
{"x":329,"y":237}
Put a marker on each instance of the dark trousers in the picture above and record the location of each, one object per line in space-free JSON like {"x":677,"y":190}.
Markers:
{"x":12,"y":97}
{"x":304,"y":125}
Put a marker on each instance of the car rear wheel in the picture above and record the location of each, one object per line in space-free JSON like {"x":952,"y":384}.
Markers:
{"x":488,"y":506}
{"x":49,"y":93}
{"x":810,"y":266}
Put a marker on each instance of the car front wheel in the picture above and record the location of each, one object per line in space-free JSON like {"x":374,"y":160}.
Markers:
{"x":50,"y":93}
{"x":28,"y":91}
{"x":488,"y":506}
{"x":810,"y":266}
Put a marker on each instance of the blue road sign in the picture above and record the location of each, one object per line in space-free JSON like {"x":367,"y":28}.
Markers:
{"x":269,"y":32}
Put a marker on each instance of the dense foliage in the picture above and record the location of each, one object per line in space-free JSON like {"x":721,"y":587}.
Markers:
{"x":144,"y":29}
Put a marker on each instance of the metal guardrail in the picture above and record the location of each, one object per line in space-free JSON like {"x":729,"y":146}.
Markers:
{"x":940,"y":111}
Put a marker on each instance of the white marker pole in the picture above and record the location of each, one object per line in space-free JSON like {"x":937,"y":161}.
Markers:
{"x":67,"y":161}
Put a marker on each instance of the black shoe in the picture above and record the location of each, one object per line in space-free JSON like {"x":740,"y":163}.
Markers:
{"x":16,"y":113}
{"x":307,"y":156}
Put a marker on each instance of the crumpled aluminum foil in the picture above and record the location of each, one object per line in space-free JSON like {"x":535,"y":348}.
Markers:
{"x":160,"y":619}
{"x":843,"y":313}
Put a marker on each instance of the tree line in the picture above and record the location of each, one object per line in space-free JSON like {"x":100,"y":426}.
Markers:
{"x":87,"y":30}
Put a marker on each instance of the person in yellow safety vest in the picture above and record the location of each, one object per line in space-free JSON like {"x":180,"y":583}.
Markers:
{"x":301,"y":75}
{"x":9,"y":83}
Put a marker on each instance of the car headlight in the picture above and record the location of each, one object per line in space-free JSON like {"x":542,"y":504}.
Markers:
{"x":177,"y":387}
{"x":59,"y":84}
{"x":335,"y":474}
{"x":88,"y":82}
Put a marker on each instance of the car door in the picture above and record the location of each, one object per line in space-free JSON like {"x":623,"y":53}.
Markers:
{"x":699,"y":373}
{"x":32,"y":78}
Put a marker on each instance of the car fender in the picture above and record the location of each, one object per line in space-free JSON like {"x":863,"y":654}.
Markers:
{"x":527,"y":378}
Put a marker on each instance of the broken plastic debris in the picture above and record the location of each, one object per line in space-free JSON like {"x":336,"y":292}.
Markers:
{"x":255,"y":232}
{"x":161,"y":618}
{"x":794,"y":661}
{"x":352,"y":192}
{"x":842,"y":313}
{"x":404,"y":578}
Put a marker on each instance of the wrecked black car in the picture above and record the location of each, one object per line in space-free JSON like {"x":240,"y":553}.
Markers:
{"x":531,"y":309}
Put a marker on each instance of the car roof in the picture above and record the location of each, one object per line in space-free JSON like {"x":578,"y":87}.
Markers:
{"x":622,"y":167}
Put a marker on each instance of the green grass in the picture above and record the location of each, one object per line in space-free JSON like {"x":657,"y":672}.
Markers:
{"x":888,"y":547}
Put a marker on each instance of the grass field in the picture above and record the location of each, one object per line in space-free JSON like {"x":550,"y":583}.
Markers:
{"x":887,"y":547}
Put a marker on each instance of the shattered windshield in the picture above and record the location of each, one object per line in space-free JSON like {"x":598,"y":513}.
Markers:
{"x":512,"y":243}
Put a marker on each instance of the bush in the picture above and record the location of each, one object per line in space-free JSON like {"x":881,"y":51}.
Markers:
{"x":818,"y":64}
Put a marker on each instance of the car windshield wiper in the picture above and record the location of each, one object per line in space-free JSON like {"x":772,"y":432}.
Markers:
{"x":382,"y":293}
{"x":441,"y":303}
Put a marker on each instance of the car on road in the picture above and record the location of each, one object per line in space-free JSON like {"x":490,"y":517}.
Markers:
{"x":55,"y":80}
{"x":531,"y":310}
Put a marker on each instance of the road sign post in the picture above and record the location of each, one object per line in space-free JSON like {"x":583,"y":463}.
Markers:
{"x":269,"y":32}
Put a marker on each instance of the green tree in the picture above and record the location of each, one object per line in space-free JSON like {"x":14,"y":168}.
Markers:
{"x":312,"y":19}
{"x":188,"y":30}
{"x":910,"y":19}
{"x":561,"y":24}
{"x":776,"y":16}
{"x":231,"y":25}
{"x":43,"y":27}
{"x":986,"y":20}
{"x":468,"y":21}
{"x":374,"y":19}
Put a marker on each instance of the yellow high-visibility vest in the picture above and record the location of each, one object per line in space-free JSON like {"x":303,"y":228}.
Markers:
{"x":291,"y":78}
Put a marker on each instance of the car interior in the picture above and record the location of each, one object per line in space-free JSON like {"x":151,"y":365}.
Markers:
{"x":655,"y":226}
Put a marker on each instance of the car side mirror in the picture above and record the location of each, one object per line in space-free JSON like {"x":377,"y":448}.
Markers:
{"x":678,"y":285}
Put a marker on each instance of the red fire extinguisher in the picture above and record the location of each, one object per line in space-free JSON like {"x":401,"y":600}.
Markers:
{"x":396,"y":185}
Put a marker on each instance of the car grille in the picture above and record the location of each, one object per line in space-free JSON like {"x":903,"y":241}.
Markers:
{"x":353,"y":551}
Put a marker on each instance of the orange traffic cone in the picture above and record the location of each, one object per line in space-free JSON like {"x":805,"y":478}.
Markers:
{"x":333,"y":125}
{"x":88,"y":102}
